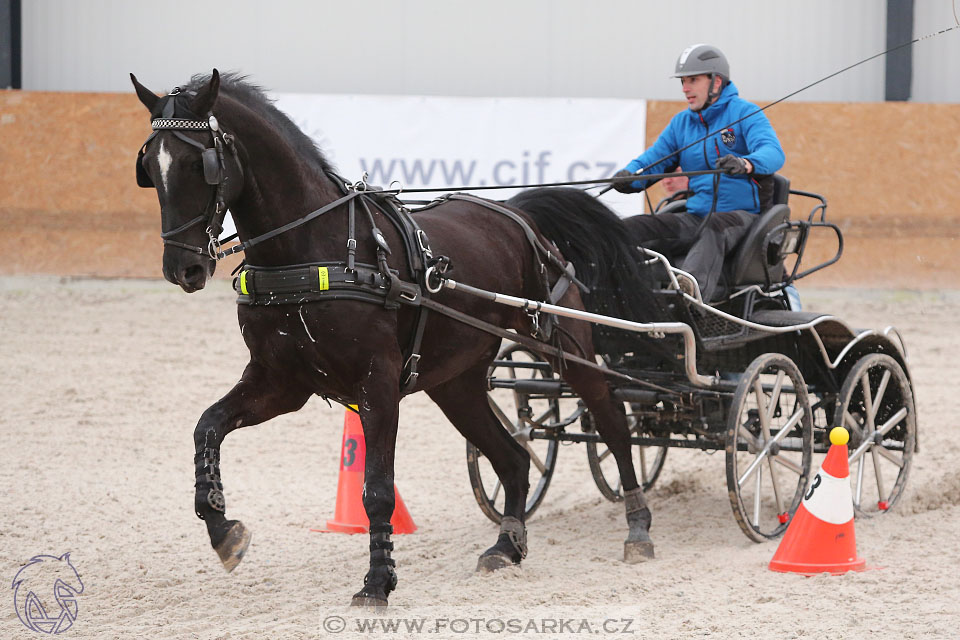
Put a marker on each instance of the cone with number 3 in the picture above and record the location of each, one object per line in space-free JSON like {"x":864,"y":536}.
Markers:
{"x":349,"y":514}
{"x":820,"y":538}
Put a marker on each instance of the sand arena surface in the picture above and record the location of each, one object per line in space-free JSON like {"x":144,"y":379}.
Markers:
{"x":105,"y":380}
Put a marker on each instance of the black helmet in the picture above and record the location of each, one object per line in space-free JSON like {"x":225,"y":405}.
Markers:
{"x":702,"y":59}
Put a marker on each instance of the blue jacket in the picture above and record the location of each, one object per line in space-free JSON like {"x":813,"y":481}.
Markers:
{"x":752,"y":138}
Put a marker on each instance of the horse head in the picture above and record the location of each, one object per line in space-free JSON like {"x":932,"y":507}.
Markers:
{"x":194,"y":167}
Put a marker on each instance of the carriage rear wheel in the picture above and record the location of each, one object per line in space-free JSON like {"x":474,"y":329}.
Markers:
{"x":876,"y":406}
{"x":523,"y":413}
{"x":647,"y":460}
{"x":769,"y":446}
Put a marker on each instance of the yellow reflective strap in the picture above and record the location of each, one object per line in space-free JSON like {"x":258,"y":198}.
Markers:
{"x":243,"y":283}
{"x":324,"y":276}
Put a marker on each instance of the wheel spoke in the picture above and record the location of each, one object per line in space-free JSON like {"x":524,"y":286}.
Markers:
{"x":543,"y":417}
{"x":893,"y":421}
{"x":773,"y":481}
{"x":756,"y":497}
{"x":790,"y":424}
{"x":856,"y":455}
{"x":603,"y":456}
{"x":750,"y":438}
{"x":878,"y":396}
{"x":858,"y":490}
{"x":889,"y":455}
{"x":761,"y":404}
{"x":496,"y":492}
{"x":754,"y":466}
{"x":775,"y":395}
{"x":504,"y":420}
{"x":879,"y":473}
{"x":867,"y":395}
{"x":851,"y":423}
{"x":789,"y":464}
{"x":535,"y":459}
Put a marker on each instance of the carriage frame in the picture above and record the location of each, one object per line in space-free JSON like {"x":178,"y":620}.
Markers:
{"x":748,"y":376}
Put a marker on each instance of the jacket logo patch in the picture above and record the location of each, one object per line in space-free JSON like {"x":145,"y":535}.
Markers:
{"x":729,"y":137}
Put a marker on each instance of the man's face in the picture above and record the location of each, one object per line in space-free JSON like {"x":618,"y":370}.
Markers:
{"x":696,"y":89}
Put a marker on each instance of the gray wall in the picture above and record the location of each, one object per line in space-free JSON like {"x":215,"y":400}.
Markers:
{"x":575,"y":48}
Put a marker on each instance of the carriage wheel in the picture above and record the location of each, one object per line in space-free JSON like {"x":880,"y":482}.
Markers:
{"x":648,"y":461}
{"x":521,"y":415}
{"x":876,"y":406}
{"x":769,"y":446}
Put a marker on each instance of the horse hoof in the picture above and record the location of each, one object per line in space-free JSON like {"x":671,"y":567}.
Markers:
{"x":490,"y":562}
{"x":233,"y":547}
{"x":369,"y":602}
{"x":637,"y":551}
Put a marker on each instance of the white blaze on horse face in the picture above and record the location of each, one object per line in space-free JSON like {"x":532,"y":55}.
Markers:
{"x":166,"y":160}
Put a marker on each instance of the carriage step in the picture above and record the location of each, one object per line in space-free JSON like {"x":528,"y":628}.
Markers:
{"x":641,"y":396}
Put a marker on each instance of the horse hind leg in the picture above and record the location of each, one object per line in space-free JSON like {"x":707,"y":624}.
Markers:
{"x":611,"y":424}
{"x":463,"y":401}
{"x":251,"y":401}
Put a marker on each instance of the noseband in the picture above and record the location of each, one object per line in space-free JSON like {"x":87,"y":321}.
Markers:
{"x":214,"y":172}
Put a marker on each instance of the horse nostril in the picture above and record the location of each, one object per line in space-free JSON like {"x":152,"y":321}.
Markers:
{"x":194,"y":274}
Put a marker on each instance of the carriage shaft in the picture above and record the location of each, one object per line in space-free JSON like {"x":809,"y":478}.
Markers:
{"x":656,"y":328}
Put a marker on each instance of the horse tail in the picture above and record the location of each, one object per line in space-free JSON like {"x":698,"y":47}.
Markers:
{"x":595,"y":240}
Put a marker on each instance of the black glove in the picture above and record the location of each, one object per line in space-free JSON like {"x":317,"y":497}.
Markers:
{"x":624,"y":186}
{"x":732,"y":165}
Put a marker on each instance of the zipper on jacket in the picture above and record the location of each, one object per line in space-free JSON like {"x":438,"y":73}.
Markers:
{"x":706,"y":159}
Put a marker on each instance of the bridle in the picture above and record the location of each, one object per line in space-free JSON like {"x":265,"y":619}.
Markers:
{"x":214,"y":172}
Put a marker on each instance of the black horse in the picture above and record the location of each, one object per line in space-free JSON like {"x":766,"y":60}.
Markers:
{"x":219,"y":143}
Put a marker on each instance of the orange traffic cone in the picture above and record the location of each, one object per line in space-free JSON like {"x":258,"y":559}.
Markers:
{"x":349,"y":515}
{"x":820,"y":537}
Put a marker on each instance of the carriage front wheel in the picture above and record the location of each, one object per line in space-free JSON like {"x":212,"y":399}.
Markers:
{"x":769,"y":446}
{"x":876,"y":406}
{"x":522,"y":397}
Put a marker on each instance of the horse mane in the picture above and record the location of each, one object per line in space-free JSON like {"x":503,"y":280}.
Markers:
{"x":254,"y":97}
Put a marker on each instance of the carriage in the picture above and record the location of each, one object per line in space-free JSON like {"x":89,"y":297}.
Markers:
{"x":749,"y":375}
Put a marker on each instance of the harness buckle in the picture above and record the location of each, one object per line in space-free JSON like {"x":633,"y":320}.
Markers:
{"x":412,"y":376}
{"x":424,"y":243}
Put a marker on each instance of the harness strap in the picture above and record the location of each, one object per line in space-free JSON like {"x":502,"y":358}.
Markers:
{"x":410,"y":366}
{"x":290,"y":225}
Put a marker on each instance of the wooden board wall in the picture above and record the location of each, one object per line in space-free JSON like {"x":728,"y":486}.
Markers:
{"x":69,"y":203}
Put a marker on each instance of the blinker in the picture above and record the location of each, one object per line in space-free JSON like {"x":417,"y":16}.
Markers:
{"x":211,"y":166}
{"x":143,"y":180}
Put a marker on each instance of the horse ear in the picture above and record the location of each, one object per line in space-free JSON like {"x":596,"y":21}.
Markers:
{"x":207,"y":96}
{"x":147,"y":97}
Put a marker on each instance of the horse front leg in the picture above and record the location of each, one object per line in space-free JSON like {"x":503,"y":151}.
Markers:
{"x":256,"y":398}
{"x":379,"y":412}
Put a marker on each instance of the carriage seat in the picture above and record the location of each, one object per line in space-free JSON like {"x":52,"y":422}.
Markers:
{"x":746,"y":265}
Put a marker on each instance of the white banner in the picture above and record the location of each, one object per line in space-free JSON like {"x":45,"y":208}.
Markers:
{"x":445,"y":143}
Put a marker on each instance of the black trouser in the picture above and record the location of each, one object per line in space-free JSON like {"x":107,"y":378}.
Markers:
{"x":674,"y":234}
